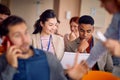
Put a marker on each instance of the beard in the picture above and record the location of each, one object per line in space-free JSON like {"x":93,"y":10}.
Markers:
{"x":25,"y":48}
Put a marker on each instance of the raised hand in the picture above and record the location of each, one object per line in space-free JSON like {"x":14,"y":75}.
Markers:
{"x":83,"y":46}
{"x":12,"y":55}
{"x":78,"y":70}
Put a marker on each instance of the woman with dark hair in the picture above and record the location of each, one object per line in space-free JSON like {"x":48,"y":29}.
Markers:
{"x":43,"y":36}
{"x":74,"y":34}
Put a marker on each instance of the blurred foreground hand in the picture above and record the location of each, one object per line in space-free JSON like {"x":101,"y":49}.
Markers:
{"x":113,"y":46}
{"x":78,"y":70}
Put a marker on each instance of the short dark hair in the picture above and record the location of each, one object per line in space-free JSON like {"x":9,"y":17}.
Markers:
{"x":86,"y":19}
{"x":10,"y":21}
{"x":4,"y":10}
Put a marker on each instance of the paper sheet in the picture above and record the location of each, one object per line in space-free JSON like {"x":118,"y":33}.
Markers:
{"x":69,"y":57}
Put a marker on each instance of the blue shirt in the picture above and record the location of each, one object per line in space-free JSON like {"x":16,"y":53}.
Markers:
{"x":33,"y":68}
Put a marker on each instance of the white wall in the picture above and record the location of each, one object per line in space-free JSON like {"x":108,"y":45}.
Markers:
{"x":29,"y":10}
{"x":72,"y":6}
{"x":93,"y":8}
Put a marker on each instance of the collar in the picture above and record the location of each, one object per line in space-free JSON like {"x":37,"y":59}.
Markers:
{"x":35,"y":50}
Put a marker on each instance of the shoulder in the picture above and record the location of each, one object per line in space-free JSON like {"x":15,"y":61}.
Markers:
{"x":37,"y":51}
{"x":48,"y":54}
{"x":74,"y":42}
{"x":35,"y":35}
{"x":3,"y":62}
{"x":116,"y":17}
{"x":71,"y":46}
{"x":66,"y":35}
{"x":57,"y":37}
{"x":55,"y":66}
{"x":52,"y":60}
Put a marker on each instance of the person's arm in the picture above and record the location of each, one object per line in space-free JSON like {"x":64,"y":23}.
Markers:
{"x":9,"y":63}
{"x":113,"y":46}
{"x":8,"y":73}
{"x":78,"y":70}
{"x":99,"y":49}
{"x":68,"y":47}
{"x":72,"y":36}
{"x":96,"y":52}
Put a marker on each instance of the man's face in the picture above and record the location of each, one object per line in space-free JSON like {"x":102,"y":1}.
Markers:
{"x":3,"y":17}
{"x":85,"y":31}
{"x":20,"y":37}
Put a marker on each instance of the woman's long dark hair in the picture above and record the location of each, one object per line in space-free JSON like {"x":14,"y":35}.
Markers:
{"x":49,"y":13}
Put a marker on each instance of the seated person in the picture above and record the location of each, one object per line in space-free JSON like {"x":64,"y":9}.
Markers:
{"x":85,"y":41}
{"x":20,"y":61}
{"x":74,"y":33}
{"x":44,"y":36}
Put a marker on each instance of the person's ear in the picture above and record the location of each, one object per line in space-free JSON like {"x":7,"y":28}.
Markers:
{"x":93,"y":29}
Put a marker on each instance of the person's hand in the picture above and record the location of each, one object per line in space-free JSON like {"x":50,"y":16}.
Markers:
{"x":72,"y":36}
{"x":83,"y":46}
{"x":78,"y":70}
{"x":113,"y":46}
{"x":12,"y":55}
